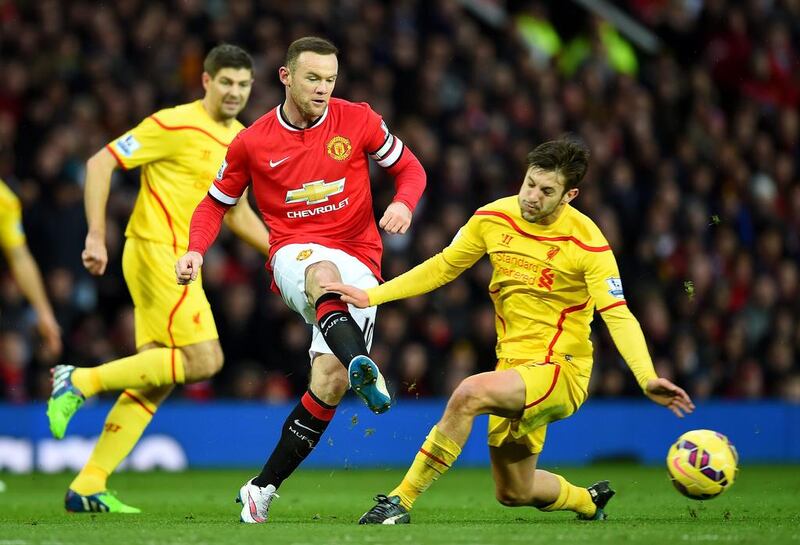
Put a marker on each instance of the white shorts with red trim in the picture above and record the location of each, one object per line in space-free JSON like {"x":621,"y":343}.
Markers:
{"x":289,"y":266}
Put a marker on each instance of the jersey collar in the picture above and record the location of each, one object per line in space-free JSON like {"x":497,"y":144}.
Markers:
{"x":290,"y":127}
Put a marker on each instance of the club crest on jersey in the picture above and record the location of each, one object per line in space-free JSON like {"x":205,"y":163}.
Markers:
{"x":551,"y":253}
{"x":339,"y":148}
{"x":304,"y":254}
{"x":315,"y":192}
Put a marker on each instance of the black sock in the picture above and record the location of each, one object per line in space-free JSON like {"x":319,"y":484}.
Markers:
{"x":302,"y":430}
{"x":339,"y":329}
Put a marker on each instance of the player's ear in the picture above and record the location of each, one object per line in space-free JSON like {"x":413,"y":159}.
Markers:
{"x":571,"y":194}
{"x":285,"y":75}
{"x":206,"y":79}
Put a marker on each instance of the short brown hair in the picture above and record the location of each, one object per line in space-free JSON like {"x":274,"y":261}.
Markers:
{"x":314,"y":44}
{"x":227,"y":56}
{"x":565,"y":156}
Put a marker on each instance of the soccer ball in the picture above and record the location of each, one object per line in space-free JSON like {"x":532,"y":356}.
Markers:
{"x":702,"y":464}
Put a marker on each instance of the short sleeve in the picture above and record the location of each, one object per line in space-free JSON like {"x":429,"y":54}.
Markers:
{"x":11,"y":233}
{"x":147,"y":142}
{"x":233,"y":176}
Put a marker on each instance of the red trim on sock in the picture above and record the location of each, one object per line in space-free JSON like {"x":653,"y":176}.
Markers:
{"x":139,"y":401}
{"x":317,"y":411}
{"x":333,"y":305}
{"x":434,"y":458}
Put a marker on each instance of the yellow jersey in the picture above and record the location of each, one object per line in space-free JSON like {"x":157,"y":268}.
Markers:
{"x":180,"y":150}
{"x":547,"y":282}
{"x":11,"y":233}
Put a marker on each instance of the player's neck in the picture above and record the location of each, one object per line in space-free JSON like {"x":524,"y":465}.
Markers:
{"x":550,"y":219}
{"x":292,"y":114}
{"x":224,"y":121}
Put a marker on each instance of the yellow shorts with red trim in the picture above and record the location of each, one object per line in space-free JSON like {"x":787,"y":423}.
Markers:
{"x":164,"y":312}
{"x":551,"y":393}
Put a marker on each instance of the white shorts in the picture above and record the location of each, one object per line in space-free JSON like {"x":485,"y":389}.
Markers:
{"x":289,"y":268}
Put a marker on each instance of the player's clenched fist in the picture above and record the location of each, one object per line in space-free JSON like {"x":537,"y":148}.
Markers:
{"x":95,"y":255}
{"x":188,"y":267}
{"x":396,"y":219}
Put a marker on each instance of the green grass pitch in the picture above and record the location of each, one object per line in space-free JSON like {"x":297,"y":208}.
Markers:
{"x":321,"y":507}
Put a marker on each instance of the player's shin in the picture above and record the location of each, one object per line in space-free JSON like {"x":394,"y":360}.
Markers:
{"x":437,"y":455}
{"x":339,"y":329}
{"x":122,"y":429}
{"x":301,"y":432}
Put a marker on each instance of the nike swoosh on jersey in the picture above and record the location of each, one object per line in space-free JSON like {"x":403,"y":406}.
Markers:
{"x":297,"y":423}
{"x":273,"y":164}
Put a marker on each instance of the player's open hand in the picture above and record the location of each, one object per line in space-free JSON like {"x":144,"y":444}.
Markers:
{"x":396,"y":219}
{"x":350,"y":294}
{"x":95,"y":255}
{"x":188,"y":267}
{"x":665,"y":393}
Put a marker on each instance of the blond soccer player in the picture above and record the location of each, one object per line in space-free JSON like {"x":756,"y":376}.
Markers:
{"x":179,"y":151}
{"x":553,"y":269}
{"x":24,"y":270}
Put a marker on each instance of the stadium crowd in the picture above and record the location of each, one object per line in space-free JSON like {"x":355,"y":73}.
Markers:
{"x":693,"y":178}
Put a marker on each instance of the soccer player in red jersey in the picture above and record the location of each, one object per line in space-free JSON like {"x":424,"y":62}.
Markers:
{"x":307,"y":163}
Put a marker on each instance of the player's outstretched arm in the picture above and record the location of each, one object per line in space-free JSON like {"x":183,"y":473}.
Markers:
{"x":665,"y":393}
{"x":350,"y":294}
{"x":188,"y":267}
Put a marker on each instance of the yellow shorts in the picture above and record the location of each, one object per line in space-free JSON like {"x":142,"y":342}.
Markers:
{"x":164,"y":312}
{"x":551,"y":393}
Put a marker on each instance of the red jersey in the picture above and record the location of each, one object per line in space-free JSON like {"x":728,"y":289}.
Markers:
{"x":312,"y":184}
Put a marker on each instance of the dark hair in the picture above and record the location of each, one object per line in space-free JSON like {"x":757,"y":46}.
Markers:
{"x":565,"y":156}
{"x":227,"y":56}
{"x":321,"y":46}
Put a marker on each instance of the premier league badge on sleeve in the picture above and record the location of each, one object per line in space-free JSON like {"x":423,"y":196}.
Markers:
{"x":127,"y":145}
{"x":615,"y":287}
{"x":221,"y":170}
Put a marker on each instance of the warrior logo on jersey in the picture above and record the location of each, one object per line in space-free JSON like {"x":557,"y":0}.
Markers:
{"x":315,"y":192}
{"x":339,"y":148}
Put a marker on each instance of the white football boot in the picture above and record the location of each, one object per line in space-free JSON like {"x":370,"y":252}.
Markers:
{"x":255,"y":502}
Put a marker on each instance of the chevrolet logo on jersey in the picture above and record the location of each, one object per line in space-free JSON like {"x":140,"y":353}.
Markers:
{"x":315,"y":192}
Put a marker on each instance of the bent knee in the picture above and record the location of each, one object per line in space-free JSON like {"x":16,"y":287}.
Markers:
{"x":201,"y":364}
{"x":329,"y":383}
{"x":468,"y":397}
{"x":320,"y":273}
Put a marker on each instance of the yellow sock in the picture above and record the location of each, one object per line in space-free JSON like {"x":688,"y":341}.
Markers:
{"x":572,"y":498}
{"x":437,"y":454}
{"x":148,"y":369}
{"x":124,"y":426}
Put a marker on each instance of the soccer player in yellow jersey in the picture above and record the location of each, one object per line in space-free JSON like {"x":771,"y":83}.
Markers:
{"x":24,"y":270}
{"x":552,"y":269}
{"x":179,"y":150}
